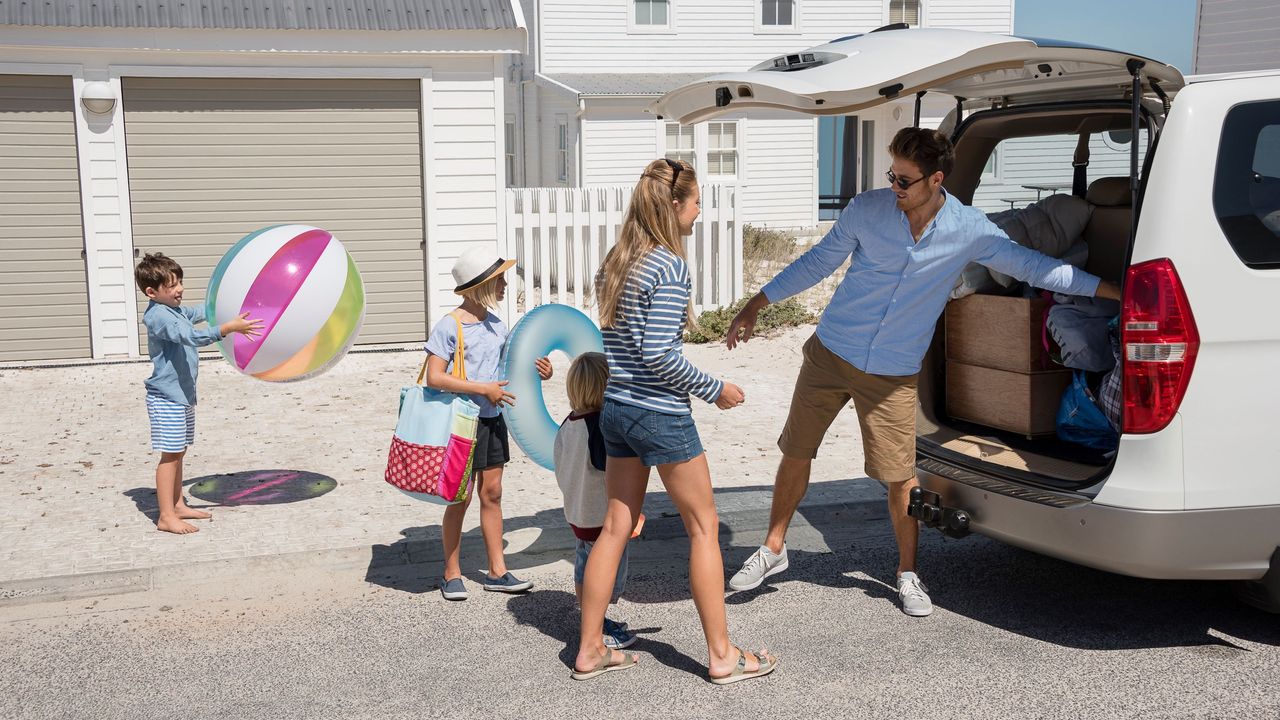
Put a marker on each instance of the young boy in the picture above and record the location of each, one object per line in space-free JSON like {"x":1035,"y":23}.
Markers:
{"x":580,"y":458}
{"x":172,"y":339}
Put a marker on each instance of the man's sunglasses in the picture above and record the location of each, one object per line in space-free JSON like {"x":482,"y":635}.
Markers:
{"x":902,"y":182}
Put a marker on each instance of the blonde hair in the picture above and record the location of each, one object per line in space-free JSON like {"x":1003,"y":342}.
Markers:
{"x":485,"y":294}
{"x":650,"y":222}
{"x":585,"y":382}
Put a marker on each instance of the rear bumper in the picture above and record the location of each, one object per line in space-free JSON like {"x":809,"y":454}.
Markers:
{"x":1223,"y":544}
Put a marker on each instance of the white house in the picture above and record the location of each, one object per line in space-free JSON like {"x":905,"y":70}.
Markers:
{"x":576,"y":101}
{"x":129,"y":126}
{"x":1237,"y":36}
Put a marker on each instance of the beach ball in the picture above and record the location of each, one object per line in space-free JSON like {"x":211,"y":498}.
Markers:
{"x":305,"y":288}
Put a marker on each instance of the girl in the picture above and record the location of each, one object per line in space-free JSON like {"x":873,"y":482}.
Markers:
{"x":479,"y":275}
{"x":644,"y":294}
{"x":580,"y":462}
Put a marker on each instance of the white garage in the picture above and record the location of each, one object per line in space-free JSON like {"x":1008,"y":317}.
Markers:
{"x":181,"y":129}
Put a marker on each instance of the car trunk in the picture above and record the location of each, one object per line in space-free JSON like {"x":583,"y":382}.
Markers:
{"x":959,"y":437}
{"x":1014,"y":87}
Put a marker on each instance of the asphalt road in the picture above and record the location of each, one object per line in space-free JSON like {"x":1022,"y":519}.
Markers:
{"x":1014,"y":635}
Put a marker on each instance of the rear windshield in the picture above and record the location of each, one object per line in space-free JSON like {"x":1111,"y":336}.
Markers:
{"x":1246,"y":184}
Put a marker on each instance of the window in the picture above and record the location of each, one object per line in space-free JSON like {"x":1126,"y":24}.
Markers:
{"x":779,"y":14}
{"x":1025,"y":170}
{"x":991,"y":171}
{"x":904,"y":11}
{"x":509,"y":138}
{"x":680,"y":143}
{"x":722,"y":148}
{"x":837,"y":164}
{"x":1246,"y":183}
{"x":562,"y":148}
{"x":651,"y":13}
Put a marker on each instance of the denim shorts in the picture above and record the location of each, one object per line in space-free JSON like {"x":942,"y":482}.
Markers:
{"x":580,"y":566}
{"x":657,"y":438}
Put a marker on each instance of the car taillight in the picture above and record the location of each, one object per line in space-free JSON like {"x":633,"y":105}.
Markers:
{"x":1160,"y":343}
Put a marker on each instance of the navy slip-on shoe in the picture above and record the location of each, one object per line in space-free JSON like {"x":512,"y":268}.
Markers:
{"x":508,"y":583}
{"x":453,"y":589}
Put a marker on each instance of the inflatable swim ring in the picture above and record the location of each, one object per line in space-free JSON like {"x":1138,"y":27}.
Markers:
{"x":544,"y":329}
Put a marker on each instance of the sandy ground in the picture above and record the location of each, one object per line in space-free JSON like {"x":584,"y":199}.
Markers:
{"x":297,"y":467}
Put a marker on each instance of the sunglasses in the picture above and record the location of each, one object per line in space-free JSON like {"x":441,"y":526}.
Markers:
{"x":675,"y":172}
{"x":902,"y":182}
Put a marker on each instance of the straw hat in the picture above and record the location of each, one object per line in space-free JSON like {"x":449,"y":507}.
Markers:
{"x":478,"y":265}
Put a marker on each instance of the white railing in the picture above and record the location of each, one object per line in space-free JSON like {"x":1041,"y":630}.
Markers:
{"x":559,"y":236}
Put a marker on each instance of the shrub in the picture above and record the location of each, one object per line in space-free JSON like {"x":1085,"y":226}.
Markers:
{"x":713,"y":325}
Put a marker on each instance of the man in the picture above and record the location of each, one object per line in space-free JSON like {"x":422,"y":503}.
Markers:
{"x":909,"y":243}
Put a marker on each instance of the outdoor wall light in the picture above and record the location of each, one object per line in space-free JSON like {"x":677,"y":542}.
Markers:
{"x":98,"y":97}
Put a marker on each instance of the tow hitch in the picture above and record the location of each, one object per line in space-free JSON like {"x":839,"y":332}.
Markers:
{"x":926,"y":506}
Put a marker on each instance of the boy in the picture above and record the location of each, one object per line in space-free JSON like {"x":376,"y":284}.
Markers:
{"x":172,"y":339}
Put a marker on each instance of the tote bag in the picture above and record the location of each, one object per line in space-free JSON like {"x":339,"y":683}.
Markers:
{"x":434,"y":441}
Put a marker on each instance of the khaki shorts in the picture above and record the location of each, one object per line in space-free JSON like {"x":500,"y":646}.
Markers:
{"x":886,"y":407}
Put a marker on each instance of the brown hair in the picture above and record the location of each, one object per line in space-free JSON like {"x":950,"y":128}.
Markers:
{"x":928,"y":149}
{"x":156,"y":270}
{"x":586,"y":380}
{"x":650,"y":222}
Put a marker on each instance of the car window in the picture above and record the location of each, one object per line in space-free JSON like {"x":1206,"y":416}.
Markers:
{"x":1021,"y":171}
{"x":1246,"y":183}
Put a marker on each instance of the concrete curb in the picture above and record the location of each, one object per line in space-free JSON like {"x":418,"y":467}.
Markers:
{"x":402,"y":556}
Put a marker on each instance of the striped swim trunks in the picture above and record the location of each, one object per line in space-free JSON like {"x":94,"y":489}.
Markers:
{"x":173,"y":425}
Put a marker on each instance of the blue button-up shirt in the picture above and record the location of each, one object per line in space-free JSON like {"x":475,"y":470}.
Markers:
{"x":172,"y":339}
{"x":881,"y":317}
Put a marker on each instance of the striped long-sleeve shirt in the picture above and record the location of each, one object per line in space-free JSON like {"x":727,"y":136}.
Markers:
{"x":647,"y":367}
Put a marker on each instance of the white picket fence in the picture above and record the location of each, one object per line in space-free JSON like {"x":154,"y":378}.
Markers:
{"x":559,"y":237}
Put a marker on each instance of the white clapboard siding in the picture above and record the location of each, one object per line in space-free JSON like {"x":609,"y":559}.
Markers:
{"x":1238,"y":35}
{"x":465,"y":173}
{"x":781,"y":169}
{"x":44,"y":305}
{"x":616,"y":149}
{"x":1047,"y":160}
{"x":555,"y":106}
{"x":709,"y":35}
{"x":982,"y":15}
{"x":559,"y":236}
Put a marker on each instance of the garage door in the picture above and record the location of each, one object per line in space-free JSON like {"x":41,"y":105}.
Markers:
{"x":211,"y":160}
{"x":44,"y":305}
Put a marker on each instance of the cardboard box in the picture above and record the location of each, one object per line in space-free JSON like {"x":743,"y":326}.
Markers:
{"x":998,"y":332}
{"x":1025,"y":403}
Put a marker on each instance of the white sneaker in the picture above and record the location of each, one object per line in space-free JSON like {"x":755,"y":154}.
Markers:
{"x":915,"y":601}
{"x":759,"y":566}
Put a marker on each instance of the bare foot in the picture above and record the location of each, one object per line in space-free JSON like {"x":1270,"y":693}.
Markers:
{"x":189,"y":513}
{"x":176,"y":526}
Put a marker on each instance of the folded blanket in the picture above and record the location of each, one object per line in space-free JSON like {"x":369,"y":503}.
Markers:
{"x":1052,"y":226}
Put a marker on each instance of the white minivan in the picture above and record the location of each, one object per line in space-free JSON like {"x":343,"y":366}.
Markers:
{"x":1190,"y":226}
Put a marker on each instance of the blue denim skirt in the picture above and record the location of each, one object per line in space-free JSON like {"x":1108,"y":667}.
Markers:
{"x":657,"y":438}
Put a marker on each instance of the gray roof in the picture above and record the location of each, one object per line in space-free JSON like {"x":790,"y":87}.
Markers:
{"x":623,"y":84}
{"x":265,"y":14}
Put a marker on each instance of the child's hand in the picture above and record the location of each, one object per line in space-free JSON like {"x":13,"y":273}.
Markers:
{"x":495,"y":393}
{"x":242,"y":325}
{"x":731,"y":396}
{"x":545,"y":371}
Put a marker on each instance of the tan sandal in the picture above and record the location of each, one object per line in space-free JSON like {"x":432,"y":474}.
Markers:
{"x":628,"y":661}
{"x":768,"y":663}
